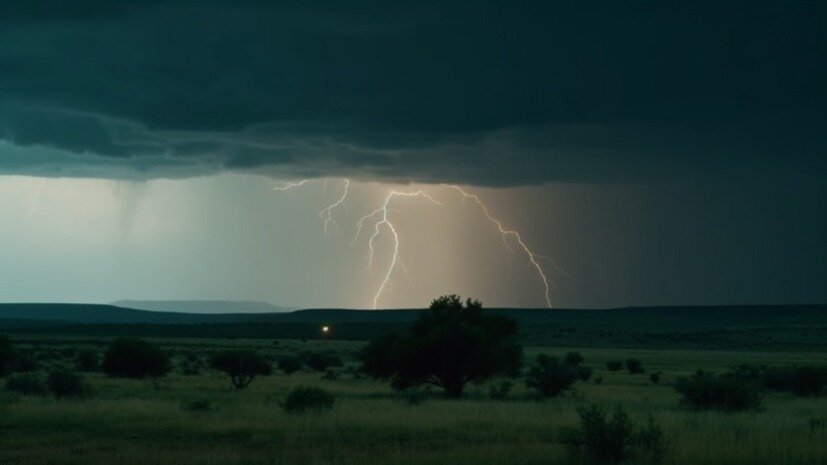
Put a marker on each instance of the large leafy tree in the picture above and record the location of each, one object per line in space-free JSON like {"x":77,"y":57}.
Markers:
{"x":452,"y":344}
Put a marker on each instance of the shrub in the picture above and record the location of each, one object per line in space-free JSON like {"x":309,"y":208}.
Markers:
{"x":801,"y":381}
{"x":242,"y":365}
{"x":321,"y":361}
{"x":604,"y":439}
{"x":135,"y":358}
{"x":416,"y":396}
{"x":583,"y":373}
{"x":290,"y":364}
{"x":728,"y":393}
{"x":550,"y":377}
{"x":196,"y":405}
{"x":500,"y":390}
{"x":614,"y":365}
{"x":809,"y":381}
{"x":191,"y":365}
{"x":64,"y":382}
{"x":25,"y":362}
{"x":598,"y":379}
{"x":87,"y":360}
{"x":331,"y":374}
{"x":28,"y":384}
{"x":305,"y":398}
{"x":7,"y":356}
{"x":654,"y":377}
{"x":635,"y":366}
{"x":573,"y":358}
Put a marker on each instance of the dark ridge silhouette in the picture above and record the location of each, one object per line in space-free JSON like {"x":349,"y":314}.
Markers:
{"x":780,"y":327}
{"x":202,"y":306}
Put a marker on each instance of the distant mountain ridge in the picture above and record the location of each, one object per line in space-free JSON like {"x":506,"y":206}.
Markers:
{"x":734,"y":315}
{"x":749,"y":327}
{"x":203,"y":306}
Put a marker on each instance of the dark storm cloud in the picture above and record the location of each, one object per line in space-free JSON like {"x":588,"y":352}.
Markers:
{"x":479,"y":92}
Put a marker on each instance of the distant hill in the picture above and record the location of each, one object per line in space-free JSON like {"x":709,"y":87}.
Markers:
{"x":202,"y":306}
{"x":778,"y":327}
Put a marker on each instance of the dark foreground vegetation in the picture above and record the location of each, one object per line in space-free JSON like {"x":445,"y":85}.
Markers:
{"x":454,"y":387}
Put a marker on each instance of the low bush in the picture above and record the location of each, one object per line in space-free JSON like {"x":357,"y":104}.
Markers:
{"x":321,"y":361}
{"x":573,"y":358}
{"x":583,"y":373}
{"x":25,"y":362}
{"x":801,"y":381}
{"x":598,"y":379}
{"x":196,"y":405}
{"x":416,"y":395}
{"x":307,"y":399}
{"x":27,"y":384}
{"x":191,"y":365}
{"x":63,"y":382}
{"x":728,"y":393}
{"x":135,"y":358}
{"x":614,"y":365}
{"x":331,"y":374}
{"x":635,"y":366}
{"x":500,"y":390}
{"x":87,"y":360}
{"x":550,"y":377}
{"x":603,"y":439}
{"x":7,"y":356}
{"x":654,"y":377}
{"x":290,"y":364}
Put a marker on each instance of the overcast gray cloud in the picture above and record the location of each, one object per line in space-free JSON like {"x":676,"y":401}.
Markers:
{"x":493,"y":93}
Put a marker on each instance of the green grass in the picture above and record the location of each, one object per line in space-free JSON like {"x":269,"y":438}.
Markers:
{"x":143,"y":422}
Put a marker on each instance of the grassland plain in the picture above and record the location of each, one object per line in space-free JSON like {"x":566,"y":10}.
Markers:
{"x":146,"y":422}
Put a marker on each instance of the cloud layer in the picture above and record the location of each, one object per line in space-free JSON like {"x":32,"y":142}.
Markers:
{"x":491,"y":93}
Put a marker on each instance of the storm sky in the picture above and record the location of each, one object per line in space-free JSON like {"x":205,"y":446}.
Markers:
{"x":659,"y":152}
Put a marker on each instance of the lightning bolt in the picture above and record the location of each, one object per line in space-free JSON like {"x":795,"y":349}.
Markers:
{"x":291,"y":185}
{"x":510,"y":237}
{"x":385,"y":223}
{"x":327,"y":212}
{"x":515,"y":235}
{"x":36,"y":198}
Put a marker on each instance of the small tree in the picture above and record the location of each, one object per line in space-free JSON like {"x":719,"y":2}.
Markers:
{"x":87,"y":360}
{"x":635,"y":366}
{"x":135,"y":358}
{"x":550,"y":377}
{"x":614,"y":365}
{"x":451,"y":345}
{"x":7,"y":356}
{"x":290,"y":364}
{"x":242,"y":365}
{"x":574,"y":358}
{"x":63,"y":382}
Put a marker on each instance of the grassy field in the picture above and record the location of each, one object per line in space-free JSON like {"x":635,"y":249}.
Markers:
{"x":147,"y":422}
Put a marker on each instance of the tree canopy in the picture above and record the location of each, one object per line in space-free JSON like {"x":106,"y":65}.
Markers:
{"x":453,"y":343}
{"x":242,"y":365}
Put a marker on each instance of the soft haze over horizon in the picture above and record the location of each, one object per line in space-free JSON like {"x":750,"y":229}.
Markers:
{"x":658,"y":154}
